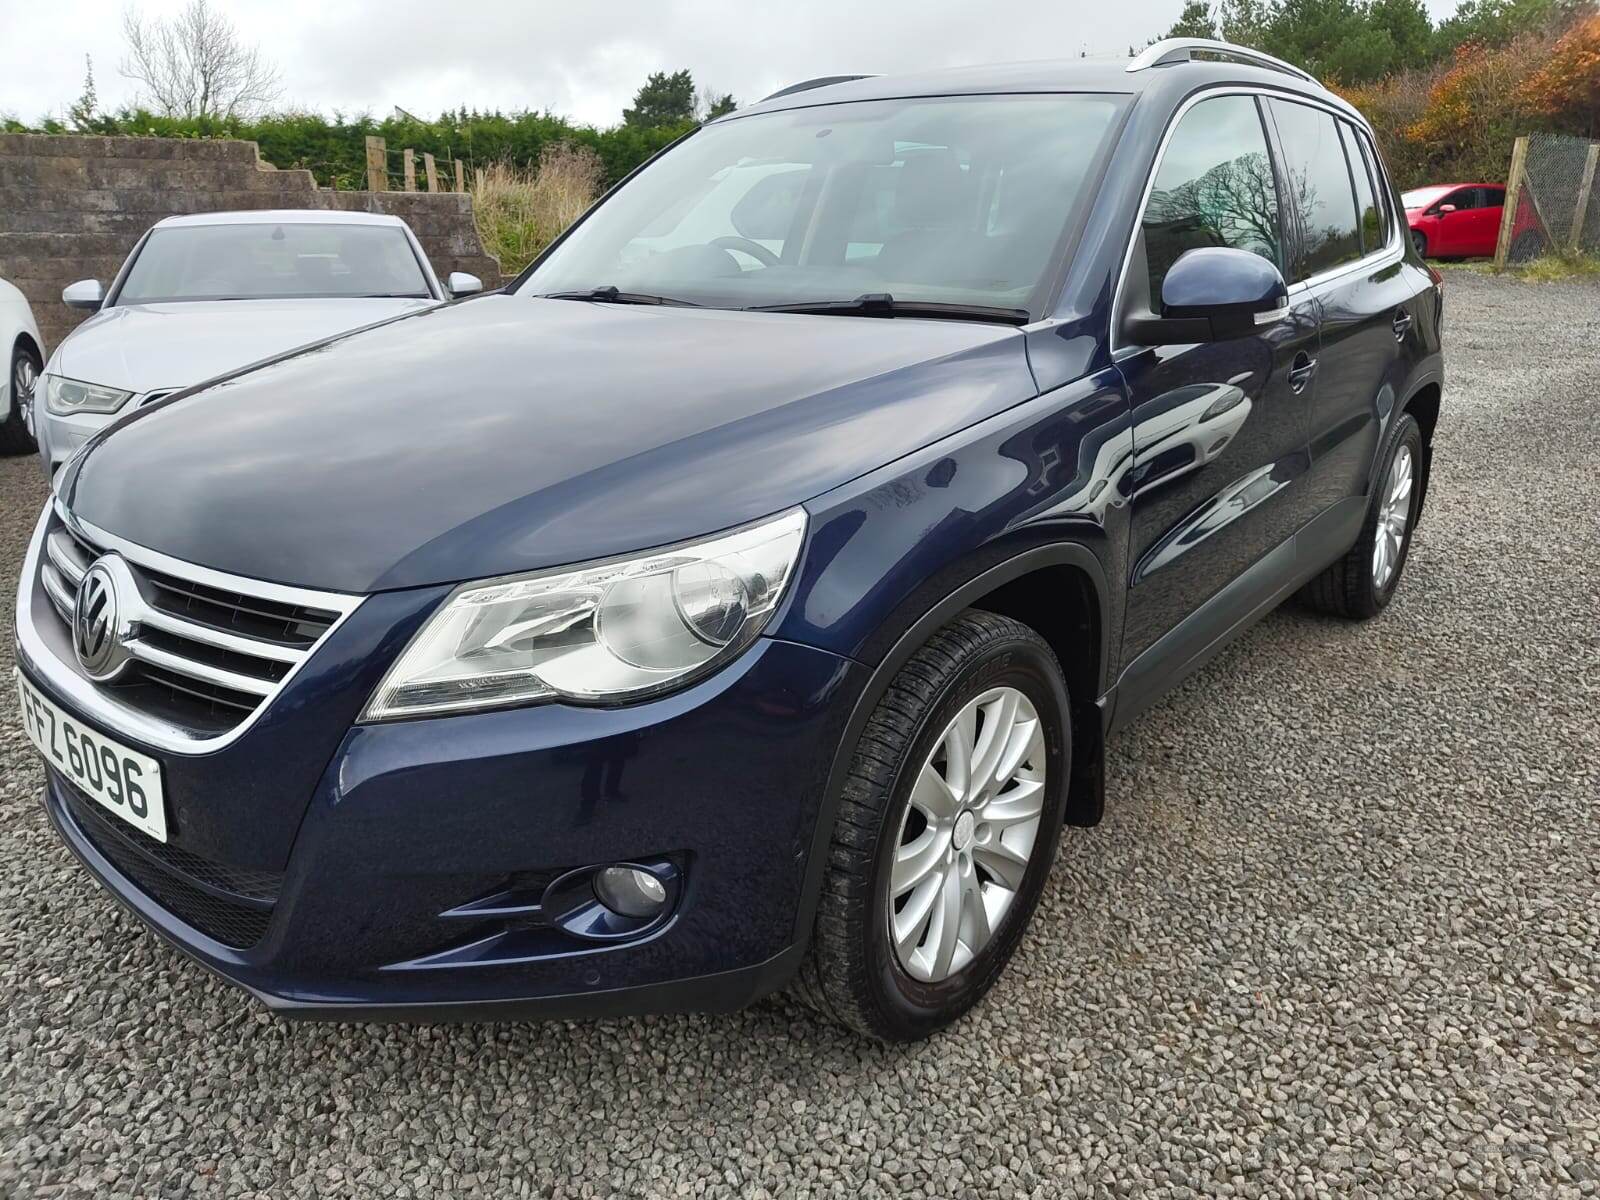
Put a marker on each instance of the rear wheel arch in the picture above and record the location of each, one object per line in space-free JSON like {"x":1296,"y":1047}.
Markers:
{"x":1423,"y":406}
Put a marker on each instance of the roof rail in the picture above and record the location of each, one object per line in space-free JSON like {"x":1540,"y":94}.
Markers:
{"x":808,"y":84}
{"x":1182,"y":50}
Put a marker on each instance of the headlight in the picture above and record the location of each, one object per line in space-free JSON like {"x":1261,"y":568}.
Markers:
{"x":67,"y":396}
{"x":603,"y":633}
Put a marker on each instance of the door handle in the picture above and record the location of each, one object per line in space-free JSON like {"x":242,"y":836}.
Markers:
{"x":1402,"y":324}
{"x":1300,"y":371}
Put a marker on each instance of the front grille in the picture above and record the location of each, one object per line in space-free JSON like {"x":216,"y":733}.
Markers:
{"x":228,"y":905}
{"x":204,"y":657}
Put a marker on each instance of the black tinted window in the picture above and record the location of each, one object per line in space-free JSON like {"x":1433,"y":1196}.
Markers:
{"x":1214,"y":187}
{"x":1320,"y":182}
{"x":1372,"y":234}
{"x":1385,"y":203}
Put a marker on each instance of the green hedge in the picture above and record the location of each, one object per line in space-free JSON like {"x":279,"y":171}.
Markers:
{"x":334,"y":149}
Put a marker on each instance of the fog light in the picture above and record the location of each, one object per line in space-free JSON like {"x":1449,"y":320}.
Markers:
{"x":630,"y":891}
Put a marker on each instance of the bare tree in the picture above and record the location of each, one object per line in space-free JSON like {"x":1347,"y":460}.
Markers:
{"x":195,"y":65}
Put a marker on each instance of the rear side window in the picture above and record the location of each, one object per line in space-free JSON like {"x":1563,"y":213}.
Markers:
{"x":1375,"y":169}
{"x":1214,"y":187}
{"x":1372,"y":233}
{"x":1319,"y":180}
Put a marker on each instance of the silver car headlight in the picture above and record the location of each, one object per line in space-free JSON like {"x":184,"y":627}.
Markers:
{"x":65,"y":397}
{"x":601,"y":633}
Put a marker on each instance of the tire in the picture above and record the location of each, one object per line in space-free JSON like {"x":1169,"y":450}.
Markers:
{"x":1527,"y":247}
{"x":854,"y":973}
{"x":1420,"y":241}
{"x":14,"y":435}
{"x":1351,"y":587}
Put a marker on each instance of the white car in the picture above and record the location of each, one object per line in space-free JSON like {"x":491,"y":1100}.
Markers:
{"x":206,"y":294}
{"x":22,"y":352}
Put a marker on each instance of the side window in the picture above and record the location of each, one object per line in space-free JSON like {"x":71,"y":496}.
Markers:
{"x":1385,"y":202}
{"x":1214,"y":187}
{"x":1319,"y":180}
{"x":1372,"y":234}
{"x":1494,"y":197}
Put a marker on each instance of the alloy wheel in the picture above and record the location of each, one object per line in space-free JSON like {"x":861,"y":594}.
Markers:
{"x":968,"y":834}
{"x":24,"y":378}
{"x":1394,"y":515}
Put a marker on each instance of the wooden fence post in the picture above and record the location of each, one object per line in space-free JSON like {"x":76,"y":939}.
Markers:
{"x":477,"y":179}
{"x":461,"y":176}
{"x":377,"y":165}
{"x":1580,"y":211}
{"x":411,"y":169}
{"x":431,"y":170}
{"x":1508,"y":214}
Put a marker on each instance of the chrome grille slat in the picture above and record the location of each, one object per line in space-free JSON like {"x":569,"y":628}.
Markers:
{"x":207,"y":651}
{"x":67,"y":555}
{"x":60,"y":592}
{"x":195,"y":631}
{"x":143,"y":651}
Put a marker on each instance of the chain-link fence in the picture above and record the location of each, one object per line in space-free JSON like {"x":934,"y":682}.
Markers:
{"x":1551,"y":206}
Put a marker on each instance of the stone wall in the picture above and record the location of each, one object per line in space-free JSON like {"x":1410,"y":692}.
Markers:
{"x":72,"y":207}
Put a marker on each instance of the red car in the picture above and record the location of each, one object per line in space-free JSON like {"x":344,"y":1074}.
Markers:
{"x":1455,"y":220}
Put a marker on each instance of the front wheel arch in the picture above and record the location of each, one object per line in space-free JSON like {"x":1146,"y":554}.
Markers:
{"x":1086,"y":800}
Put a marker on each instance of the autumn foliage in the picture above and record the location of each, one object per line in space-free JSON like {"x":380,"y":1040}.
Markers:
{"x":1458,"y":120}
{"x":1569,"y":82}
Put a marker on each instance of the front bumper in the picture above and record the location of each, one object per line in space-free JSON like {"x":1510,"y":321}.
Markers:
{"x":60,"y":438}
{"x":410,"y":890}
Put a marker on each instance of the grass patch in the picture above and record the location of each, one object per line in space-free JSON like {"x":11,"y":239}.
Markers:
{"x":1552,"y":268}
{"x":519,"y":212}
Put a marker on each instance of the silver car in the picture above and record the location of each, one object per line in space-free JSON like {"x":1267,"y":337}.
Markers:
{"x":206,"y":294}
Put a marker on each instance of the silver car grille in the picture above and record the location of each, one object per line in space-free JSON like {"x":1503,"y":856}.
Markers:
{"x":209,"y":651}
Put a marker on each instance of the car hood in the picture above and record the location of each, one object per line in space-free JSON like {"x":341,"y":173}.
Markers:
{"x":509,"y":433}
{"x":149,"y":347}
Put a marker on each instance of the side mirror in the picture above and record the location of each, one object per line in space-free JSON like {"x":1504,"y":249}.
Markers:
{"x":85,"y":294}
{"x":462,"y":284}
{"x":1446,"y":208}
{"x":1213,"y":294}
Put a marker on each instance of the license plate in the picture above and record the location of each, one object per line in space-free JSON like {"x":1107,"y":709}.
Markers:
{"x":120,"y":780}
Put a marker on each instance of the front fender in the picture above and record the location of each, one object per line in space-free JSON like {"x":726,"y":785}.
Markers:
{"x":1044,"y":478}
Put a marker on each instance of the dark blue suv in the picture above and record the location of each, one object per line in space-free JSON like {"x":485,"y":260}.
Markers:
{"x":742,"y":597}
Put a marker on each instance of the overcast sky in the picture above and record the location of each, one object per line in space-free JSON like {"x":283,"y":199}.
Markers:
{"x":580,"y":59}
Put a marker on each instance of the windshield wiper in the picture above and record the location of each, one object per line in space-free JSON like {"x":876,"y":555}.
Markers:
{"x":611,"y":295}
{"x":882,"y":304}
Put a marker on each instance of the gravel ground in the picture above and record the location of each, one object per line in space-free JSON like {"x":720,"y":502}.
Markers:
{"x":1337,"y":935}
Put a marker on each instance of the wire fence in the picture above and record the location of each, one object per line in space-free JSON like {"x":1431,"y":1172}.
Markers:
{"x":1551,"y":206}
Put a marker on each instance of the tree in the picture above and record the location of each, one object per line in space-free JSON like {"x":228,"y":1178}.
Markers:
{"x":1409,"y":28}
{"x":1245,"y":22}
{"x":1495,"y":22}
{"x":1195,"y":21}
{"x":663,"y":100}
{"x":82,"y":114}
{"x":195,"y":65}
{"x":713,"y":104}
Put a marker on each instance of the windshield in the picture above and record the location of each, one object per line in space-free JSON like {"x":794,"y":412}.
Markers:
{"x":958,"y":201}
{"x":1422,"y":197}
{"x":273,"y":261}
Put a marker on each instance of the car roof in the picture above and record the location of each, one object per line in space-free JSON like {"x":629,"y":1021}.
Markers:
{"x":281,"y":216}
{"x":1101,"y":75}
